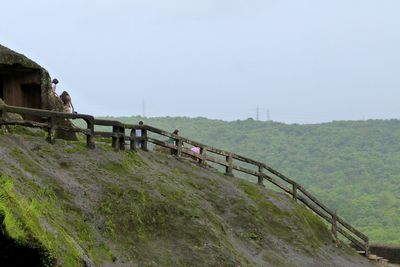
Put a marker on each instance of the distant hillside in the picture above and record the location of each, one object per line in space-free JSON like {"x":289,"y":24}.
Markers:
{"x":64,"y":205}
{"x":353,"y":165}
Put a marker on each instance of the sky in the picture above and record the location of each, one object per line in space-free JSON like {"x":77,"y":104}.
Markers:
{"x":303,"y":61}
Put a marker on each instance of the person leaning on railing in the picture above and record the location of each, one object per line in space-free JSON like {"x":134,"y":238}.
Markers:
{"x":172,"y":141}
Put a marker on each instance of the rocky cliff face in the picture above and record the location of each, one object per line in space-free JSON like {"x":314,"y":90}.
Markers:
{"x":63,"y":205}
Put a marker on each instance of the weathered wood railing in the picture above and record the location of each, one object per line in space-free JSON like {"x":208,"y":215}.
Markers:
{"x":51,"y":121}
{"x":230,"y":161}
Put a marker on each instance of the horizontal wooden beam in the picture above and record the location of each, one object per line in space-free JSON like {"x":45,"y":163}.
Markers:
{"x":44,"y":113}
{"x":105,"y":134}
{"x":245,"y":170}
{"x":247,"y":160}
{"x":32,"y":124}
{"x":280,"y":175}
{"x":277,"y":183}
{"x":107,"y":123}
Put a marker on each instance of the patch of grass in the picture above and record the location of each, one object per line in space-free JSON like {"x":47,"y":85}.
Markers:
{"x":114,"y":167}
{"x":254,"y":192}
{"x":2,"y":130}
{"x":103,"y":140}
{"x":75,"y":147}
{"x":130,"y":161}
{"x":26,"y":131}
{"x":312,"y":226}
{"x":134,"y":211}
{"x":45,"y":149}
{"x":130,"y":158}
{"x":177,"y":172}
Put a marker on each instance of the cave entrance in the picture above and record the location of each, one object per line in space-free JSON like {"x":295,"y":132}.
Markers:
{"x":14,"y":253}
{"x":1,"y":88}
{"x":31,"y":98}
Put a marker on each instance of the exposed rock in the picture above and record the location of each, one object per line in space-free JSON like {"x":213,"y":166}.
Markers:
{"x":149,"y":209}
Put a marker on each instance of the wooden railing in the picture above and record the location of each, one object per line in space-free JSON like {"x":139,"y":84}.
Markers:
{"x":53,"y":121}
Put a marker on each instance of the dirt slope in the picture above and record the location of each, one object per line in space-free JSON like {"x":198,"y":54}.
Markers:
{"x":77,"y":207}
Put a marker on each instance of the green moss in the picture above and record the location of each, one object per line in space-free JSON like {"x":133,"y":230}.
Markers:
{"x":312,"y":225}
{"x":2,"y":130}
{"x":23,"y":222}
{"x":103,"y":140}
{"x":177,"y":172}
{"x":255,"y":193}
{"x":16,"y":129}
{"x":114,"y":167}
{"x":75,"y":147}
{"x":39,"y":219}
{"x":129,"y":163}
{"x":172,"y":194}
{"x":251,"y":190}
{"x":134,"y":211}
{"x":131,"y":159}
{"x":26,"y":162}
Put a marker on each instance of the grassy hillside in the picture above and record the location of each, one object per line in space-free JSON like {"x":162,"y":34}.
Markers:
{"x":353,"y":165}
{"x":68,"y":206}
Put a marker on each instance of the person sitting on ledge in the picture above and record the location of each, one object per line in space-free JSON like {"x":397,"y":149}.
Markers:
{"x":66,"y":99}
{"x":54,"y":86}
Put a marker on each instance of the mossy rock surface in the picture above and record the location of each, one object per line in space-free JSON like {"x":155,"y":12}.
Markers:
{"x":10,"y":57}
{"x":104,"y":208}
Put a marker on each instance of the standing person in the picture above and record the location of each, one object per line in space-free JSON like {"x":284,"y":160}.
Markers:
{"x":54,"y":86}
{"x":66,"y":99}
{"x":172,"y":141}
{"x":139,"y":133}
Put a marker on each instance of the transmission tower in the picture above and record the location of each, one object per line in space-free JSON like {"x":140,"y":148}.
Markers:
{"x":257,"y":113}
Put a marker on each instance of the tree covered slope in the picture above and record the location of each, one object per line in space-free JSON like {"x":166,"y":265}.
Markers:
{"x":68,"y":206}
{"x":354,"y":166}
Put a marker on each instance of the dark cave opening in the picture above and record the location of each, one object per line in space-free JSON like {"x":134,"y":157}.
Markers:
{"x":16,"y":254}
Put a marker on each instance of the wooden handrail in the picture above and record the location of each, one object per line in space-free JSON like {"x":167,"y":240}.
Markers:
{"x":51,"y":123}
{"x":119,"y":137}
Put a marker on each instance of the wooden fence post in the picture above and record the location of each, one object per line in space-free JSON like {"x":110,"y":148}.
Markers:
{"x":133,"y":139}
{"x":179,"y":143}
{"x":228,"y":169}
{"x":90,"y":134}
{"x":3,"y":113}
{"x":294,"y":192}
{"x":121,"y":137}
{"x":366,"y":248}
{"x":144,"y":139}
{"x":260,"y":175}
{"x":334,"y":227}
{"x":203,"y":153}
{"x":51,"y":129}
{"x":3,"y":116}
{"x":115,"y":138}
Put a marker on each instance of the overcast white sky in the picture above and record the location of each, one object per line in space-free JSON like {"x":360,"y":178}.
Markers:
{"x":305,"y":60}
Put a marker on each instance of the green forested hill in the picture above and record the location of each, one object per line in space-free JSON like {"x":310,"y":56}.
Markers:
{"x":354,"y":166}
